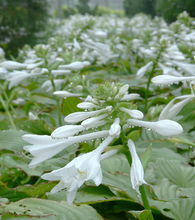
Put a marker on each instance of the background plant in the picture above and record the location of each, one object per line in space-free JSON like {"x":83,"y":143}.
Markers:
{"x":22,"y":22}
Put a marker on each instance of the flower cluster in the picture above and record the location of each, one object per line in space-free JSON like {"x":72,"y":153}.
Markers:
{"x":104,"y":118}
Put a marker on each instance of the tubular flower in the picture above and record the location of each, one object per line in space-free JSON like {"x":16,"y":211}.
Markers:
{"x":66,"y":94}
{"x":75,"y":66}
{"x":167,"y":79}
{"x":133,"y":113}
{"x":171,"y":109}
{"x":142,"y":71}
{"x":80,"y":116}
{"x":44,"y":147}
{"x":162,"y":127}
{"x":137,"y":170}
{"x":83,"y":168}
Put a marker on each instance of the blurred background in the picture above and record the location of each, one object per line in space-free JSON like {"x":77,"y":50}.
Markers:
{"x":31,"y":21}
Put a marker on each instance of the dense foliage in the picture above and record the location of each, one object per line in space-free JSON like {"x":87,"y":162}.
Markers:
{"x":97,"y":11}
{"x":132,"y":7}
{"x":168,"y":9}
{"x":99,"y":122}
{"x":21,"y":22}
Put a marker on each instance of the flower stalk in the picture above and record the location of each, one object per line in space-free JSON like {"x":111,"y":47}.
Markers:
{"x":6,"y":108}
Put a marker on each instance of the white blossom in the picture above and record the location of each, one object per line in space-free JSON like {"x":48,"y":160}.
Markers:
{"x":66,"y":94}
{"x":162,"y":127}
{"x":137,"y":171}
{"x":81,"y":169}
{"x":167,"y":79}
{"x":44,"y":147}
{"x":60,"y":72}
{"x":171,"y":109}
{"x":80,"y":116}
{"x":75,"y":66}
{"x":86,"y":105}
{"x":142,"y":71}
{"x":67,"y":131}
{"x":12,"y":65}
{"x":133,"y":113}
{"x":130,"y":97}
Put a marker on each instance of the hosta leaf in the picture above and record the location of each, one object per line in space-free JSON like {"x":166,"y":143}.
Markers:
{"x":70,"y":105}
{"x":11,"y":160}
{"x":88,"y":195}
{"x":11,"y":194}
{"x":178,"y":209}
{"x":11,"y":140}
{"x":142,"y":215}
{"x":48,"y":208}
{"x":165,"y":153}
{"x":116,"y":174}
{"x":177,"y":173}
{"x":36,"y":127}
{"x":36,"y":191}
{"x":150,"y":138}
{"x":166,"y":191}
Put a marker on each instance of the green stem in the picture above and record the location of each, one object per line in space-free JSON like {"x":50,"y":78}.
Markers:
{"x":151,"y":74}
{"x":144,"y":197}
{"x":57,"y":100}
{"x":7,"y":112}
{"x":59,"y":112}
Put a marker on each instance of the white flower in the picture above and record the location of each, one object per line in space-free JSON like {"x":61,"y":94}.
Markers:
{"x":67,"y":131}
{"x":186,"y":67}
{"x":171,"y":109}
{"x":129,"y":97}
{"x":3,"y":72}
{"x":32,"y":116}
{"x":142,"y":71}
{"x":115,"y":128}
{"x":169,"y":70}
{"x":34,"y":65}
{"x":133,"y":113}
{"x":48,"y":85}
{"x":12,"y":65}
{"x":108,"y":154}
{"x":16,"y":77}
{"x":19,"y":101}
{"x":66,"y":94}
{"x":137,"y":171}
{"x":122,"y":91}
{"x":162,"y":127}
{"x":82,"y":168}
{"x":75,"y":66}
{"x":94,"y":121}
{"x":80,"y":116}
{"x":86,"y":105}
{"x":60,"y":72}
{"x":44,"y":147}
{"x":167,"y":79}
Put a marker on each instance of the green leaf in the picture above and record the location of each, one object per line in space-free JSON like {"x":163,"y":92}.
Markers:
{"x":15,"y":161}
{"x":142,"y":215}
{"x":36,"y":127}
{"x":116,"y":174}
{"x":178,"y":209}
{"x":87,"y":195}
{"x":166,"y":191}
{"x":177,"y":173}
{"x":36,"y":191}
{"x":12,"y":140}
{"x":11,"y":194}
{"x":50,"y":210}
{"x":70,"y":105}
{"x":150,"y":138}
{"x":146,"y":156}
